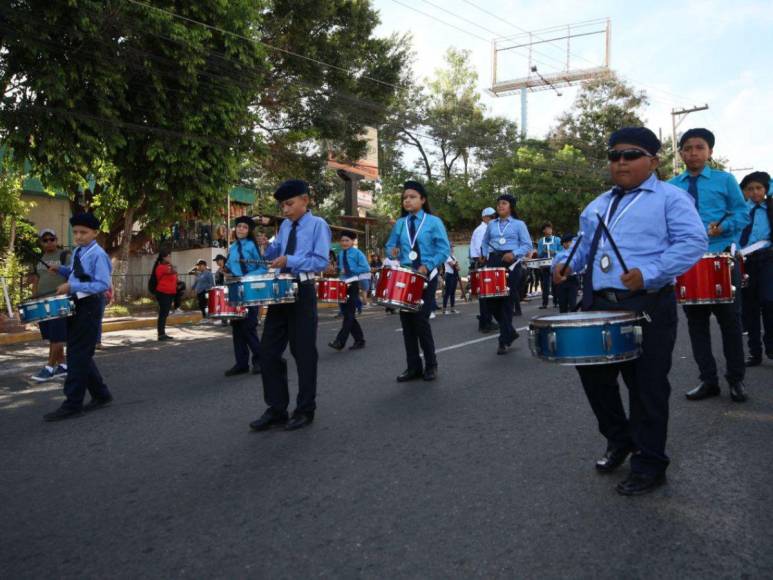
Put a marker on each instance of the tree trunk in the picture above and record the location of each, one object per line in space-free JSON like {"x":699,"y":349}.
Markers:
{"x":12,"y":235}
{"x":122,"y":264}
{"x":417,"y":144}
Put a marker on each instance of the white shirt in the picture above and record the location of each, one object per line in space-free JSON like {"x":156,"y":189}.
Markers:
{"x":391,"y":262}
{"x":476,"y":242}
{"x":450,"y":261}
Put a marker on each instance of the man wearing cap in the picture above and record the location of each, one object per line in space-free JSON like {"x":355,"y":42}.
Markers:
{"x":485,"y":322}
{"x":721,"y":205}
{"x":352,"y":263}
{"x":201,"y":285}
{"x":54,"y":331}
{"x":88,"y":277}
{"x":547,"y":247}
{"x":566,"y":292}
{"x":756,"y":244}
{"x":659,"y":235}
{"x":301,"y":248}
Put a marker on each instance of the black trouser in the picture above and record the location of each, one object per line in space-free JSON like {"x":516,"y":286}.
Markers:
{"x":503,"y":308}
{"x":545,"y":279}
{"x":164,"y":306}
{"x":350,"y":324}
{"x":758,"y":303}
{"x":295,"y":323}
{"x":647,"y":380}
{"x":82,"y":371}
{"x":567,"y":294}
{"x":699,"y":326}
{"x":417,"y":331}
{"x":245,"y":339}
{"x":449,"y":291}
{"x":202,"y":299}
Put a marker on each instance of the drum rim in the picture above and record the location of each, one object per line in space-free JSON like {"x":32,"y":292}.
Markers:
{"x":703,"y":301}
{"x":399,"y":304}
{"x":591,"y":360}
{"x":499,"y":295}
{"x":46,"y":299}
{"x":489,"y":269}
{"x":406,"y":270}
{"x":710,"y":255}
{"x":621,"y":317}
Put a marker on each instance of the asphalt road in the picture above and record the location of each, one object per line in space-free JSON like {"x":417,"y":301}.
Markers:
{"x":488,"y":472}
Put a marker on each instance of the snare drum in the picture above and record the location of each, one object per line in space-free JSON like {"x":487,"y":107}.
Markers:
{"x":262,"y":290}
{"x":708,"y":281}
{"x":489,"y":282}
{"x":400,"y":288}
{"x":332,"y":290}
{"x":586,"y":338}
{"x":219,"y":307}
{"x":742,"y":271}
{"x":49,"y":308}
{"x":538,"y":263}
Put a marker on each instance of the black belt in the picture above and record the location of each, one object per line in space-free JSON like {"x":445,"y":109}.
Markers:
{"x":762,"y":254}
{"x":614,"y":295}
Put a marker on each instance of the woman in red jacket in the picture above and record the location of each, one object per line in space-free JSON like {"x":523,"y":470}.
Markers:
{"x":166,"y":288}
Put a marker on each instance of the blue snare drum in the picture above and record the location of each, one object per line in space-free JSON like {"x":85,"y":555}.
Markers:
{"x":49,"y":308}
{"x":261,"y":290}
{"x":586,"y":338}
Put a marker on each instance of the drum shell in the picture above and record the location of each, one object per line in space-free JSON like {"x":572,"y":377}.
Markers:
{"x":492,"y":283}
{"x":709,"y":281}
{"x":50,"y":308}
{"x":262,"y":290}
{"x":218,"y":306}
{"x":538,"y":263}
{"x":588,"y":342}
{"x":332,"y":290}
{"x":401,"y":288}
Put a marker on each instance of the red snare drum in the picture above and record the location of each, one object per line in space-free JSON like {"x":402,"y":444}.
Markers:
{"x":218,"y":306}
{"x":400,"y":288}
{"x":332,"y":290}
{"x":742,"y":270}
{"x":707,"y":282}
{"x":489,"y":282}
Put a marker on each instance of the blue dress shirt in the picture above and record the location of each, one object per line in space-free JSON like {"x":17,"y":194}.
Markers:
{"x":312,"y":247}
{"x":251,"y":253}
{"x":547,"y":244}
{"x":761,"y":226}
{"x":356,"y":260}
{"x":718,"y":194}
{"x":203,"y":282}
{"x":431,"y":239}
{"x":96,"y":264}
{"x":516,"y":234}
{"x":657,"y":230}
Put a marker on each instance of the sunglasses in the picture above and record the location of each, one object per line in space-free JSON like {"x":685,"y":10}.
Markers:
{"x":627,"y":154}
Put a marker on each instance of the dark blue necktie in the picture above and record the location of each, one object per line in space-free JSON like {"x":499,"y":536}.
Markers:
{"x":347,"y":271}
{"x":77,"y":267}
{"x":587,"y":279}
{"x":412,"y":232}
{"x":692,"y":188}
{"x":292,"y":241}
{"x":747,"y":231}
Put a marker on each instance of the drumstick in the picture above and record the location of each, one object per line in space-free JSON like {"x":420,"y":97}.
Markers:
{"x":727,"y":215}
{"x":571,"y":255}
{"x":612,"y":242}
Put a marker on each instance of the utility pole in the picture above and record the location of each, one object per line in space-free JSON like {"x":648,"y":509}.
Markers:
{"x":677,"y":116}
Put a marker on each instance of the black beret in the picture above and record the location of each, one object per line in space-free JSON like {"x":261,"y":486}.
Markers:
{"x":291,"y":188}
{"x":508,"y":198}
{"x":200,"y":262}
{"x":348,"y":234}
{"x":415,"y":185}
{"x":700,"y":133}
{"x":640,"y":136}
{"x":86,"y":219}
{"x":245,"y":219}
{"x":220,"y":257}
{"x":567,"y":238}
{"x":760,"y":177}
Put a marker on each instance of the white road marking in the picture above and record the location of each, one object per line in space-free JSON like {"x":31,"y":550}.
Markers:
{"x":474,"y":341}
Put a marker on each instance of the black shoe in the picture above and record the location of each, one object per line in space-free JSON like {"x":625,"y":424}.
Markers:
{"x":357,"y":345}
{"x":613,"y":459}
{"x":639,"y":483}
{"x":753,"y":361}
{"x":410,"y":375}
{"x":256,"y":370}
{"x":299,"y":420}
{"x":336,"y":345}
{"x":738,"y":392}
{"x":95,"y":404}
{"x":165,"y":337}
{"x":501,"y":349}
{"x":233,"y":371}
{"x":430,"y":373}
{"x":62,"y":413}
{"x":267,"y":420}
{"x":703,"y":391}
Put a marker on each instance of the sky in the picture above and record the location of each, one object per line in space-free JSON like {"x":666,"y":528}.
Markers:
{"x":683,"y":54}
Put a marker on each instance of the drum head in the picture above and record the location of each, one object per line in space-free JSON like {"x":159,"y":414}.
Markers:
{"x":592,"y":318}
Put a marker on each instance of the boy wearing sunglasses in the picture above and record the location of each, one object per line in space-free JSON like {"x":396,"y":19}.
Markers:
{"x":720,"y":203}
{"x":659,"y":236}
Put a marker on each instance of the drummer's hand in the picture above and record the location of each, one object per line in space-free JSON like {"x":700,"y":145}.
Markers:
{"x":395,"y":252}
{"x":508,"y":258}
{"x":715,"y":230}
{"x":280,"y":262}
{"x":53,"y":269}
{"x":481,"y":260}
{"x":557,"y":277}
{"x":423,"y":270}
{"x":633,"y":280}
{"x":63,"y":288}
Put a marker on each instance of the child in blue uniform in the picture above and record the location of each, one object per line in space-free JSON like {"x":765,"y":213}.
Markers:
{"x":88,"y":277}
{"x":352,"y":263}
{"x":566,"y":291}
{"x":547,"y":247}
{"x":244,"y":258}
{"x":419,"y":241}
